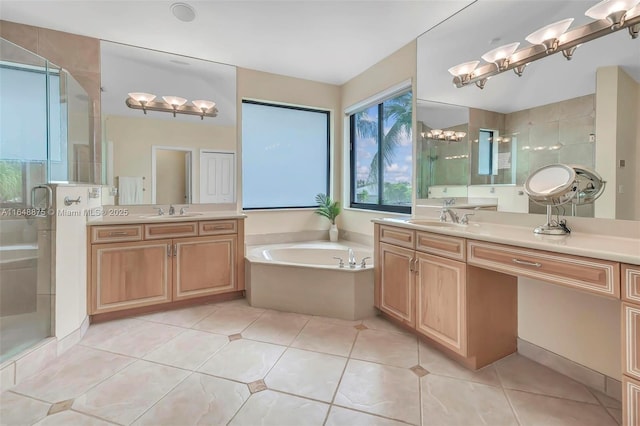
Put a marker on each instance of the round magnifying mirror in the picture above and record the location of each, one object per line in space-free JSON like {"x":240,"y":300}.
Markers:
{"x":552,"y":184}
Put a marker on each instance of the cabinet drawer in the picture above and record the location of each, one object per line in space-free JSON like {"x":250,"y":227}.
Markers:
{"x":170,"y":230}
{"x":631,"y":340}
{"x":593,"y":275}
{"x":631,"y":283}
{"x":120,"y":233}
{"x":398,"y":236}
{"x":630,"y":401}
{"x":216,"y":227}
{"x":441,"y":245}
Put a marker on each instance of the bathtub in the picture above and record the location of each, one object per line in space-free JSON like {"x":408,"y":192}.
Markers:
{"x":305,"y":278}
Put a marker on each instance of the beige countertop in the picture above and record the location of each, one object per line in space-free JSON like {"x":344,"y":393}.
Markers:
{"x":618,"y":249}
{"x":115,"y":215}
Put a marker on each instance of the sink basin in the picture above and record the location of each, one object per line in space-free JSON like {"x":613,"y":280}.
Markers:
{"x":436,"y":223}
{"x":169,"y":217}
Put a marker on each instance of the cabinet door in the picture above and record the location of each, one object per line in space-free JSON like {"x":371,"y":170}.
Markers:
{"x":129,"y":275}
{"x":630,"y":401}
{"x":631,"y":340}
{"x":203,"y":266}
{"x":441,"y":301}
{"x":397,"y":283}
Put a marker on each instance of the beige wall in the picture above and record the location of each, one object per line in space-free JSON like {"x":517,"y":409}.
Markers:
{"x":394,"y":69}
{"x":170,"y":176}
{"x":628,"y":117}
{"x":637,"y":159}
{"x":268,"y":87}
{"x":133,"y":139}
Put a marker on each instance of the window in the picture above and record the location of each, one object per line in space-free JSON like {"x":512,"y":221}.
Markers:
{"x":285,"y":155}
{"x":487,"y":151}
{"x":381,"y":155}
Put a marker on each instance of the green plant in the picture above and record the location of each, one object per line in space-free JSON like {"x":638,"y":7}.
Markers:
{"x":327,"y":208}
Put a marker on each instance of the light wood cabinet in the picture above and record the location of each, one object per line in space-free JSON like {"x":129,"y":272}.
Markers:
{"x":129,"y":275}
{"x":204,"y":266}
{"x":441,"y":301}
{"x":397,"y":283}
{"x":630,"y":401}
{"x":169,"y":263}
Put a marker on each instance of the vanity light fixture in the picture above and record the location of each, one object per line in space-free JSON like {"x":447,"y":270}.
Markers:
{"x":446,"y":135}
{"x":549,"y":35}
{"x":613,"y":11}
{"x":500,"y":55}
{"x":173,"y":104}
{"x":610,"y":16}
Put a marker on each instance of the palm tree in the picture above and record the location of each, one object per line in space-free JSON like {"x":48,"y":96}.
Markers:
{"x":397,"y":110}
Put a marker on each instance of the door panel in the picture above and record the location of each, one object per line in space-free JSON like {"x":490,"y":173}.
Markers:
{"x":397,"y":283}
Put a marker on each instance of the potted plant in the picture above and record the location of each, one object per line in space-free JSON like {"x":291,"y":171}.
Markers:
{"x":329,"y":209}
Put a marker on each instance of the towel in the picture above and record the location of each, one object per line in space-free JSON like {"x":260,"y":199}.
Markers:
{"x":130,"y":190}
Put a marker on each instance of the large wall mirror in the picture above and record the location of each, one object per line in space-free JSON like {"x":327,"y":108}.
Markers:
{"x":154,"y":157}
{"x":483,"y":144}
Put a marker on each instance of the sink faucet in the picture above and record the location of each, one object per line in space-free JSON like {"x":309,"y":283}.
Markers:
{"x":160,"y":211}
{"x":352,"y":259}
{"x":172,"y":210}
{"x":183,"y":210}
{"x":452,"y":214}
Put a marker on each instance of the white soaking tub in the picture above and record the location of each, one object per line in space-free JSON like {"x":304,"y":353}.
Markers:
{"x":305,"y":278}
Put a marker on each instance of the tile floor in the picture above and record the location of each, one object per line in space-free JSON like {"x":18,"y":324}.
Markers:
{"x":229,"y":363}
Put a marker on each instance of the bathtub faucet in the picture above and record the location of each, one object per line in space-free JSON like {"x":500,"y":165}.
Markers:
{"x":352,"y":259}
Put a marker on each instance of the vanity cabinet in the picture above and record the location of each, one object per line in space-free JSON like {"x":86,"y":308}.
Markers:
{"x":631,"y":344}
{"x":423,"y":291}
{"x":165,"y":263}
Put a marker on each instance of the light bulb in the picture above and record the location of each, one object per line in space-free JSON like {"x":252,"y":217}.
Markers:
{"x":203,"y":105}
{"x":500,"y":55}
{"x":611,"y":10}
{"x":142,"y":97}
{"x":549,"y":34}
{"x":463,"y":69}
{"x":174,"y":101}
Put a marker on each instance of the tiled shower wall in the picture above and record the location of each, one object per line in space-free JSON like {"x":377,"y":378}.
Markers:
{"x":80,"y":56}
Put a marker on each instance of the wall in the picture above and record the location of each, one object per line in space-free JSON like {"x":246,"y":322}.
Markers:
{"x":133,"y":138}
{"x":628,"y":142}
{"x":637,"y":159}
{"x":77,"y":54}
{"x":394,"y":69}
{"x":269,"y":87}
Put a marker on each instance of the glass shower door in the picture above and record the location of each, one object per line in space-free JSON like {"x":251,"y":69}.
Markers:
{"x":27,"y":83}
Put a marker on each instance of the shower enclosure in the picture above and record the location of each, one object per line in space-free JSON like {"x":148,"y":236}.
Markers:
{"x":38,"y":103}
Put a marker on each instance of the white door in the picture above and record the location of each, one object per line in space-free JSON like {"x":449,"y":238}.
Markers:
{"x":217,"y":177}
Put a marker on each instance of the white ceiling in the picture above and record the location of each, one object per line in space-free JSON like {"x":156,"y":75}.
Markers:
{"x":321,"y":40}
{"x":488,"y":24}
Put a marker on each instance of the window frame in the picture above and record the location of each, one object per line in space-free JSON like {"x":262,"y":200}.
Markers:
{"x":379,"y":206}
{"x":327,"y":113}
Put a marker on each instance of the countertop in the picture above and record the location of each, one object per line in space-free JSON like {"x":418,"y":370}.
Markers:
{"x":596,"y":246}
{"x":116,"y":216}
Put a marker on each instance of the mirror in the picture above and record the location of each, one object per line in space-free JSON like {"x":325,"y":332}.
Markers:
{"x":154,"y":157}
{"x":554,"y":113}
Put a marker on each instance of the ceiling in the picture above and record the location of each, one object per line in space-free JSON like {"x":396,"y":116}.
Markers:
{"x":321,"y":40}
{"x":488,"y":24}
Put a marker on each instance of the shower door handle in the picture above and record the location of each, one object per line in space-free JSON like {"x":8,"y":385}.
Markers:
{"x":49,"y":196}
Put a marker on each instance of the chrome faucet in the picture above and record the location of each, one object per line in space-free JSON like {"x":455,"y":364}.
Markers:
{"x":352,"y":259}
{"x":172,"y":210}
{"x":465,"y":218}
{"x":183,"y":210}
{"x":160,"y":211}
{"x":452,"y":214}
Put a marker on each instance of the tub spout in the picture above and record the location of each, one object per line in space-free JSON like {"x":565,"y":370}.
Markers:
{"x":352,"y":259}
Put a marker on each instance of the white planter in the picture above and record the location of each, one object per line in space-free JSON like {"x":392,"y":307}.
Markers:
{"x":333,"y":233}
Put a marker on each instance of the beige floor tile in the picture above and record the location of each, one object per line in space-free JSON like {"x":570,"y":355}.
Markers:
{"x":97,"y":333}
{"x":276,"y":327}
{"x":138,"y":339}
{"x":308,"y":374}
{"x":387,"y":348}
{"x":125,"y":396}
{"x":243,"y":360}
{"x":606,"y":400}
{"x":336,"y":321}
{"x":20,"y":410}
{"x":71,"y":418}
{"x":186,"y":317}
{"x":326,"y":337}
{"x":189,"y":349}
{"x":229,"y":320}
{"x":272,"y":408}
{"x":339,"y":416}
{"x":380,"y":323}
{"x":73,"y":374}
{"x":198,"y":400}
{"x":520,"y":373}
{"x":536,"y":410}
{"x":616,"y":413}
{"x":379,"y":389}
{"x":435,"y":362}
{"x":451,"y":402}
